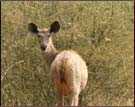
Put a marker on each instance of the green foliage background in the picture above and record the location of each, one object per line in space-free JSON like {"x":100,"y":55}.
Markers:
{"x":85,"y":27}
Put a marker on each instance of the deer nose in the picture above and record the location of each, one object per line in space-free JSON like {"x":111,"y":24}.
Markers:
{"x":43,"y":47}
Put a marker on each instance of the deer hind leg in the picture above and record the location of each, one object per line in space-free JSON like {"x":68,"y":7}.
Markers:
{"x":60,"y":100}
{"x":75,"y":98}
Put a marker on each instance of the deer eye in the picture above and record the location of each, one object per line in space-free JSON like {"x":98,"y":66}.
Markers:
{"x":48,"y":35}
{"x":38,"y":36}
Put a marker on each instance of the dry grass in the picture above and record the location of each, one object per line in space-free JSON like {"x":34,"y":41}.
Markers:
{"x":102,"y":32}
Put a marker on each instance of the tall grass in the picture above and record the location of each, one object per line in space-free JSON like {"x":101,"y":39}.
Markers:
{"x":101,"y":32}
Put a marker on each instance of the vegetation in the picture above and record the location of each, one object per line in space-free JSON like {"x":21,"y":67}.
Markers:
{"x":101,"y":32}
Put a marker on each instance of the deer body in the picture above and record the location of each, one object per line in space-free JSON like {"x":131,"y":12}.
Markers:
{"x":68,"y":70}
{"x":74,"y":74}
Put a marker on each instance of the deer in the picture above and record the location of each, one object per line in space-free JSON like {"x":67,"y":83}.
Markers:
{"x":69,"y":72}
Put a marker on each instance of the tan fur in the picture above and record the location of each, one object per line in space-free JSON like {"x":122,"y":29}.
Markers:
{"x":64,"y":88}
{"x":75,"y":73}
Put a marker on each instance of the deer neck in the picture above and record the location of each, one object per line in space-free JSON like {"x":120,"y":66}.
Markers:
{"x":50,"y":53}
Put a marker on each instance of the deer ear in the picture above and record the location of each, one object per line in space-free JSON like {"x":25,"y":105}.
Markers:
{"x":54,"y":27}
{"x":32,"y":28}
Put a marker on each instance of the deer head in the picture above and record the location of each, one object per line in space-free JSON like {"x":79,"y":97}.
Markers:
{"x":44,"y":34}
